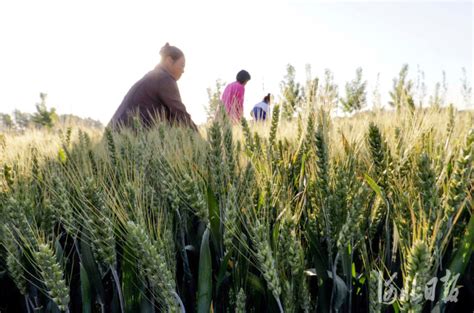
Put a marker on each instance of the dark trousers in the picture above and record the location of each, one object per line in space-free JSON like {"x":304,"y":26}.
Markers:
{"x":259,"y":114}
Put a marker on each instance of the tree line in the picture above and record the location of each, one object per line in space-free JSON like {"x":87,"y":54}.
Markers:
{"x":42,"y":118}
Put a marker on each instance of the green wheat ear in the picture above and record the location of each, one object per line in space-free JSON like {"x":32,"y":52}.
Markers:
{"x":418,"y":268}
{"x":240,"y":302}
{"x":265,"y":259}
{"x":249,"y":144}
{"x":52,"y":275}
{"x":375,"y":305}
{"x":100,"y":226}
{"x":152,"y":264}
{"x":426,"y":183}
{"x":14,"y":259}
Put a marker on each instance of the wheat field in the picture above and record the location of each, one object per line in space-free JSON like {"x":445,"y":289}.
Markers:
{"x":368,"y":213}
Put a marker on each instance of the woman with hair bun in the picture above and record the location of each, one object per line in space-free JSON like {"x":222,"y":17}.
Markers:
{"x":233,"y":96}
{"x":261,"y":109}
{"x":156,"y":96}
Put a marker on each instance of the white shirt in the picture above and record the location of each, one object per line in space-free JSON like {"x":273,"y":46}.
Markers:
{"x":263,"y":105}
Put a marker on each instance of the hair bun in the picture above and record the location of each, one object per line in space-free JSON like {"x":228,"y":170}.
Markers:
{"x":165,"y":47}
{"x":170,"y":51}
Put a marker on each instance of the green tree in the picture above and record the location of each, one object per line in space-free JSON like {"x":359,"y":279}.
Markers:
{"x":6,"y":120}
{"x":402,"y":95}
{"x":44,"y":117}
{"x":291,"y":94}
{"x":329,"y":94}
{"x":214,"y":99}
{"x":355,"y":93}
{"x":22,"y":120}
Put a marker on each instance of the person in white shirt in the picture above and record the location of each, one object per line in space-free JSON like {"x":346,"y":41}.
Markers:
{"x":262,"y":109}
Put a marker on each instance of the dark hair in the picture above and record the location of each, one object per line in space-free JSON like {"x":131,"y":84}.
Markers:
{"x":171,"y":51}
{"x":266,"y":99}
{"x":242,"y":76}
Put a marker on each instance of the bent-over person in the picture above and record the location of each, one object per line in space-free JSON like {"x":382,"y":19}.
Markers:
{"x":156,"y":96}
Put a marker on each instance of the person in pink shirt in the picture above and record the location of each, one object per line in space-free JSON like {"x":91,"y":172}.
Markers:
{"x":233,"y":96}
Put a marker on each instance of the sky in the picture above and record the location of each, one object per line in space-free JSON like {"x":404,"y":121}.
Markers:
{"x":87,"y":54}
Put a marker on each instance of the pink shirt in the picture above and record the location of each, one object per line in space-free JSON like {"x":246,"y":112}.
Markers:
{"x":233,"y":99}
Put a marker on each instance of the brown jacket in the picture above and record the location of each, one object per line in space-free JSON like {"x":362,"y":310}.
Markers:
{"x":154,"y":96}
